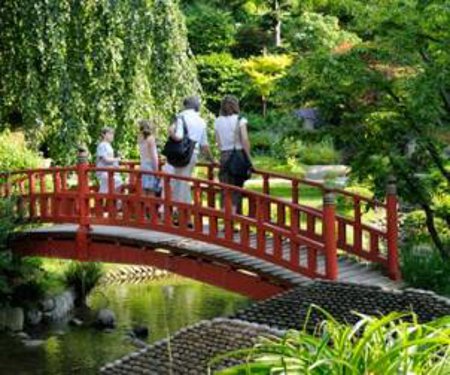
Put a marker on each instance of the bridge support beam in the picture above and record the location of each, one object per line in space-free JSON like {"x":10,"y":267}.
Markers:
{"x":62,"y":246}
{"x":329,"y":235}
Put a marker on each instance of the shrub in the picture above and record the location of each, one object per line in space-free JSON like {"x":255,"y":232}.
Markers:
{"x":23,"y":281}
{"x":261,"y":141}
{"x":421,"y":264}
{"x":391,"y":344}
{"x":210,"y":29}
{"x":14,"y":153}
{"x":423,"y":267}
{"x":251,"y":40}
{"x":312,"y":153}
{"x":220,"y":74}
{"x":83,"y":277}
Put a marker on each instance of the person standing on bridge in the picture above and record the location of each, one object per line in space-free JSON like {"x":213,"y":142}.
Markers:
{"x":106,"y":159}
{"x":232,"y":138}
{"x":149,"y":157}
{"x":196,"y":129}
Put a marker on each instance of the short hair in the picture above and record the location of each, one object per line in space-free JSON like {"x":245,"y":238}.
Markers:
{"x":106,"y":130}
{"x":192,"y":102}
{"x":146,"y":127}
{"x":229,"y":106}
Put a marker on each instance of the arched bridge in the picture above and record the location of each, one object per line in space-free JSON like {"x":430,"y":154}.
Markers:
{"x":273,"y":244}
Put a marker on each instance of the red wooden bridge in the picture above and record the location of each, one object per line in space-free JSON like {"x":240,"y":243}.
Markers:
{"x":274,"y":244}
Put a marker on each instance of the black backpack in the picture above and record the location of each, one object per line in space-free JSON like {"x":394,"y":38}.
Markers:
{"x":179,"y":153}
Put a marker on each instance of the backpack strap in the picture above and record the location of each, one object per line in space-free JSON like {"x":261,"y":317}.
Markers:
{"x":185,"y":128}
{"x":237,"y":132}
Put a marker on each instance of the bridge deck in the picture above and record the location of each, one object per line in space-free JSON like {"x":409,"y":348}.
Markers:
{"x":350,"y":270}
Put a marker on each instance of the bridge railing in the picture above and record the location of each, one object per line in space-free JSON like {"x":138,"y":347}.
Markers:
{"x":281,"y":231}
{"x":355,"y":232}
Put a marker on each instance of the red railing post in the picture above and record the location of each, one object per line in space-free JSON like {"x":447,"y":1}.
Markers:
{"x":392,"y":229}
{"x":83,"y":207}
{"x":329,"y":235}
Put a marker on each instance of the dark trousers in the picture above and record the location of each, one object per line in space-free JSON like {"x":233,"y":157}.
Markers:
{"x":226,"y":178}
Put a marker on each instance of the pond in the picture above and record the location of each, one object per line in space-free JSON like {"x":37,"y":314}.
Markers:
{"x":163,"y":306}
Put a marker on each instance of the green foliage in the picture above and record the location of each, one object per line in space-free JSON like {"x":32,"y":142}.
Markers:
{"x":375,"y":345}
{"x":14,"y":153}
{"x":383,"y":93}
{"x":264,"y":72}
{"x":23,"y":281}
{"x":423,"y":267}
{"x":210,"y":29}
{"x":74,"y":67}
{"x":321,"y":153}
{"x":220,"y":74}
{"x":83,"y":277}
{"x":313,"y":31}
{"x":421,"y":264}
{"x":251,"y":40}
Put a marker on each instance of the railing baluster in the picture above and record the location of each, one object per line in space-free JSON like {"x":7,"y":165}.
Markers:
{"x":261,"y":209}
{"x":228,"y":214}
{"x":198,"y":219}
{"x":329,"y":236}
{"x":43,"y":201}
{"x":167,"y":201}
{"x":294,"y":246}
{"x":31,"y":188}
{"x":295,"y":191}
{"x":357,"y":227}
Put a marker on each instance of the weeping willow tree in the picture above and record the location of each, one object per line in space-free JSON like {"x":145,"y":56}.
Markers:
{"x":70,"y":67}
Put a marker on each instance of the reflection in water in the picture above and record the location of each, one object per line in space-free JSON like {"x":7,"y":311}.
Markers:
{"x":162,"y":306}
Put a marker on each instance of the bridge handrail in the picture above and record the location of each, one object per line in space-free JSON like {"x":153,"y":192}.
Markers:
{"x":327,"y":216}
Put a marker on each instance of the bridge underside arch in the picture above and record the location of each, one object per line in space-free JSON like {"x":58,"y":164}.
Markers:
{"x":160,"y":250}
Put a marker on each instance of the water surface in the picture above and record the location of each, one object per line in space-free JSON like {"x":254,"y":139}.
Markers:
{"x":162,"y":306}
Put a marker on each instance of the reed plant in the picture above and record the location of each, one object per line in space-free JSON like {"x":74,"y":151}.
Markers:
{"x":396,"y":343}
{"x":83,"y":277}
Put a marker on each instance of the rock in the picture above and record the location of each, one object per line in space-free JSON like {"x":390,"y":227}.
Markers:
{"x":48,"y":304}
{"x":33,"y":343}
{"x":34,"y":317}
{"x":105,"y":319}
{"x":76,"y":322}
{"x":22,"y":335}
{"x":12,"y":318}
{"x":140,"y":332}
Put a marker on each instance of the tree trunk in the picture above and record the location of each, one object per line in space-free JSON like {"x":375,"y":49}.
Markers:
{"x":277,"y":12}
{"x":264,"y":106}
{"x":443,"y":249}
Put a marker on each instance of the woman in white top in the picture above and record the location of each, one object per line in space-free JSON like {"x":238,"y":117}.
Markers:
{"x":149,"y":157}
{"x":106,"y":159}
{"x":231,"y":134}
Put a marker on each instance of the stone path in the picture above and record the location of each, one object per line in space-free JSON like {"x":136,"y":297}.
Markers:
{"x":192,"y":348}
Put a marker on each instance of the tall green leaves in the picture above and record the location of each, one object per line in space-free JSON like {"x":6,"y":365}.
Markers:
{"x":392,"y":344}
{"x":68,"y":68}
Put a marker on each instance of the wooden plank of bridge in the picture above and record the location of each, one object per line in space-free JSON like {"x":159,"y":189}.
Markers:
{"x":349,"y":270}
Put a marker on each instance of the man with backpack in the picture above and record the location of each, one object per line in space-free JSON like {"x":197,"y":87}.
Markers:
{"x":187,"y":138}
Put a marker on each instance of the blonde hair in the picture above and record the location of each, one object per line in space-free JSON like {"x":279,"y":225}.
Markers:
{"x":146,"y":127}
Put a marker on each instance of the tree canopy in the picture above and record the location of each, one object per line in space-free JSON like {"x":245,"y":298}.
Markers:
{"x":69,"y":68}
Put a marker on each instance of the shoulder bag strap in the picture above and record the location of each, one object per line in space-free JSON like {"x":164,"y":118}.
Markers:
{"x":237,"y":132}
